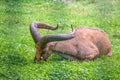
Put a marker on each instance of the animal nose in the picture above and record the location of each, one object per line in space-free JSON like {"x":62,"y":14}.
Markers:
{"x":37,"y":59}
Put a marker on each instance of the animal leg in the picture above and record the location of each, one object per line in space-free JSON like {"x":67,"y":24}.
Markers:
{"x":67,"y":56}
{"x":91,"y":56}
{"x":109,"y":53}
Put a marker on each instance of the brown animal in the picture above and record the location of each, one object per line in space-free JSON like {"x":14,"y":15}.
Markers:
{"x":84,"y":43}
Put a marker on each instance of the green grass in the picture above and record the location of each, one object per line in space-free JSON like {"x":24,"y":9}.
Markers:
{"x":17,"y":48}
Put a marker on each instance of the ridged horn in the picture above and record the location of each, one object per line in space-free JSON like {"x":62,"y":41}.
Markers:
{"x":34,"y":32}
{"x":47,"y":38}
{"x":55,"y":37}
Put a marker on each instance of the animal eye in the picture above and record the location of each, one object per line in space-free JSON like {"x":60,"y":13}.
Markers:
{"x":41,"y":57}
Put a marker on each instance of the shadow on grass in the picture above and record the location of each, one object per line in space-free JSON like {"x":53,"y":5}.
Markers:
{"x":10,"y":65}
{"x":55,"y":57}
{"x":14,"y":59}
{"x":116,"y":36}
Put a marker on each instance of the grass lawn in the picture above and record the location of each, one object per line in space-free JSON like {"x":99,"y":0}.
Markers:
{"x":17,"y":49}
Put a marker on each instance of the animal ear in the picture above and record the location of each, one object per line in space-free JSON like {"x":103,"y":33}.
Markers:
{"x":72,"y":28}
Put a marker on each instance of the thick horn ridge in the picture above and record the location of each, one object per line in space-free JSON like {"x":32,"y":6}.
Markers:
{"x":45,"y":26}
{"x":47,"y":38}
{"x":55,"y":37}
{"x":34,"y":32}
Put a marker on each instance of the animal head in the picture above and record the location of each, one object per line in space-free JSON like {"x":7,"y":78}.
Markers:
{"x":42,"y":49}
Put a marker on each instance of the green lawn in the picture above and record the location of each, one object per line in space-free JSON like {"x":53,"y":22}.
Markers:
{"x":17,"y":49}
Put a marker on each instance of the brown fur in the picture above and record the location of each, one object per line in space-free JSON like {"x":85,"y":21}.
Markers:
{"x":87,"y":44}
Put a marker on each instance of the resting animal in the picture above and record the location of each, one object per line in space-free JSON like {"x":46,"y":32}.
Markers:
{"x":84,"y":43}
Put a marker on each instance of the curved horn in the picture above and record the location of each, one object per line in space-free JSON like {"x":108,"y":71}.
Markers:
{"x":34,"y":32}
{"x":45,"y":26}
{"x":55,"y":37}
{"x":48,"y":38}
